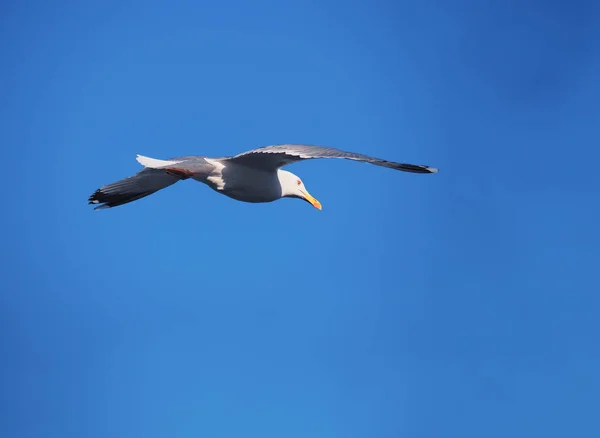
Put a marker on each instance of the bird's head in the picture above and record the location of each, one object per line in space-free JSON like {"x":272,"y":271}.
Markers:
{"x":293,"y":187}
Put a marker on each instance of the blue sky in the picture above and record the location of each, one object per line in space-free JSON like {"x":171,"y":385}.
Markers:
{"x":461,"y":304}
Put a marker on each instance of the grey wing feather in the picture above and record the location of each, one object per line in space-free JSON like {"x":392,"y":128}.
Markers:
{"x":274,"y":157}
{"x":140,"y":185}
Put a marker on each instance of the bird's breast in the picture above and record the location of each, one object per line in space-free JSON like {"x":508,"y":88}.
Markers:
{"x":247,"y":184}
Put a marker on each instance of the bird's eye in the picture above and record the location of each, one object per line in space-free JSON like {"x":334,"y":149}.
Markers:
{"x":299,"y":182}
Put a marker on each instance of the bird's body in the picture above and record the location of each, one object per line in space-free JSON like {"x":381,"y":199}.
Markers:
{"x":246,"y":184}
{"x":254,"y":176}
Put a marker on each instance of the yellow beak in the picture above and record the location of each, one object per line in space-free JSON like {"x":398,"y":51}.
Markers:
{"x":312,"y":200}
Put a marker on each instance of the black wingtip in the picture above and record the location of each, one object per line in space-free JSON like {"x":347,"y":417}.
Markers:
{"x":417,"y":168}
{"x":100,"y":200}
{"x":95,"y":198}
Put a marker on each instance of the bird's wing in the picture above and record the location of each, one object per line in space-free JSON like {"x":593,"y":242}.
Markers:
{"x":157,"y":175}
{"x":140,"y":185}
{"x":274,"y":157}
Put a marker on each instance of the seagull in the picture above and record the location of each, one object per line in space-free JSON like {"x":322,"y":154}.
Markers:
{"x":254,"y":176}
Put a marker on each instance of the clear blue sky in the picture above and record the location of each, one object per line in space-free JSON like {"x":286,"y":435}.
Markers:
{"x":461,"y":304}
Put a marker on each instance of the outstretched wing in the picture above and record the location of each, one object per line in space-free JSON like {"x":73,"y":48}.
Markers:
{"x":140,"y":185}
{"x":157,"y":175}
{"x":273,"y":157}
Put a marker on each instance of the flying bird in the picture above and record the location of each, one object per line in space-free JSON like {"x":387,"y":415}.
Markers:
{"x":252,"y":176}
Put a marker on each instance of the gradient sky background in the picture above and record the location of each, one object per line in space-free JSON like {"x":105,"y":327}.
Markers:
{"x":462,"y":304}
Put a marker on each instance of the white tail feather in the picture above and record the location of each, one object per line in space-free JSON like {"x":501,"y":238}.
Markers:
{"x":153,"y":163}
